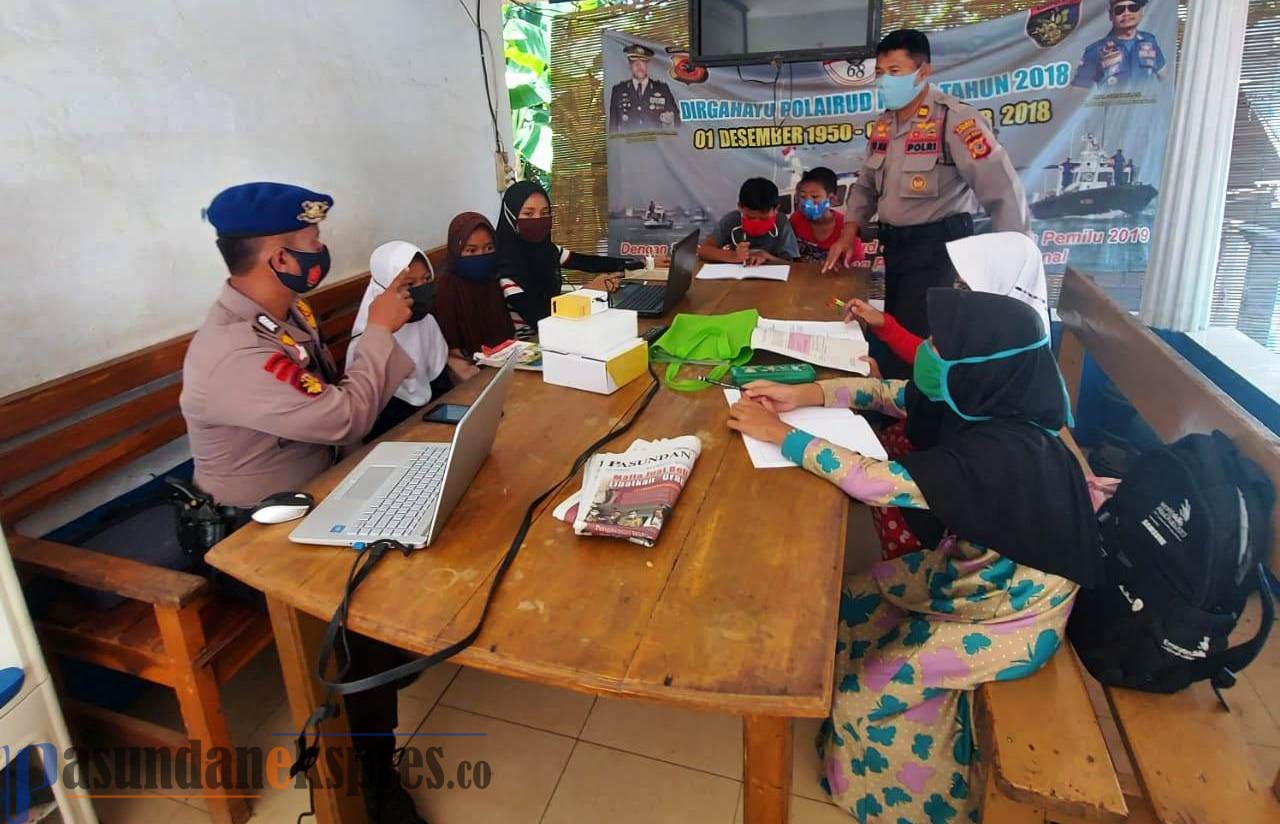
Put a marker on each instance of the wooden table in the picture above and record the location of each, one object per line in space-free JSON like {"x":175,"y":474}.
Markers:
{"x":733,"y":611}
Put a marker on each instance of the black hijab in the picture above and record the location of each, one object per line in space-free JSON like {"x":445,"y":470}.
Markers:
{"x":535,"y":267}
{"x":1007,"y":482}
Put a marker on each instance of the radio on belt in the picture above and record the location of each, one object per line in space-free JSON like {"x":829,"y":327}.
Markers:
{"x":599,"y":352}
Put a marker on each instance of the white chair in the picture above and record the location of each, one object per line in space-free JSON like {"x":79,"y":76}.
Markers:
{"x":29,"y":712}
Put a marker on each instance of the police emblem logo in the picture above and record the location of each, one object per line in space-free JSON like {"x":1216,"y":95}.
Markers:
{"x":918,"y":183}
{"x":313,"y":211}
{"x":1052,"y":21}
{"x":684,"y":70}
{"x":882,"y":129}
{"x":922,"y":113}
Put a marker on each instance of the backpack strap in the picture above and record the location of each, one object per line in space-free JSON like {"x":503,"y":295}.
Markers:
{"x":1221,"y":669}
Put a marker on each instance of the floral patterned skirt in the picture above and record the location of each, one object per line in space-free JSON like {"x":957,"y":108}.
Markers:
{"x":916,"y":636}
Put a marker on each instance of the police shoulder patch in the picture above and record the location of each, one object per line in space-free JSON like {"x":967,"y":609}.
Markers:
{"x":978,"y":148}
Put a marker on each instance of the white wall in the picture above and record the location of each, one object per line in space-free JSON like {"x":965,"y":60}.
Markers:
{"x":122,"y":118}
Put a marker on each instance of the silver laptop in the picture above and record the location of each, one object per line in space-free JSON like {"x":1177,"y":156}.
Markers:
{"x":406,"y":491}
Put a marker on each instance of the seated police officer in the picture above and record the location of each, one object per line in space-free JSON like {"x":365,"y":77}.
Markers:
{"x":265,"y":408}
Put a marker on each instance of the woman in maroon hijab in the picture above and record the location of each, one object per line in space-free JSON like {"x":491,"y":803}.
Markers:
{"x":469,"y":304}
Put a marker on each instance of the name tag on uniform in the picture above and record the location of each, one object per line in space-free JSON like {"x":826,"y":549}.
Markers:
{"x":923,"y":147}
{"x":878,"y":146}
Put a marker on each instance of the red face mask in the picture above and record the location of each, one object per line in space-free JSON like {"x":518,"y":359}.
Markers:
{"x":534,"y":229}
{"x":756,"y":226}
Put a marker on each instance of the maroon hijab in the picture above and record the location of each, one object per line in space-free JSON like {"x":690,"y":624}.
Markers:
{"x":471,"y":314}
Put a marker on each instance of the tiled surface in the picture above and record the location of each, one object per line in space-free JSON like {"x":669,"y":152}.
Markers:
{"x":607,"y":785}
{"x":525,"y":765}
{"x":546,"y":708}
{"x":557,"y":756}
{"x":703,"y":741}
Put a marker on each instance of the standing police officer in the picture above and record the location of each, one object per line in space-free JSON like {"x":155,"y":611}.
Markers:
{"x":641,"y":104}
{"x":931,"y":161}
{"x":265,"y":408}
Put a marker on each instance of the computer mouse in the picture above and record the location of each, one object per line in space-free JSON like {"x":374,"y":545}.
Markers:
{"x":283,"y":506}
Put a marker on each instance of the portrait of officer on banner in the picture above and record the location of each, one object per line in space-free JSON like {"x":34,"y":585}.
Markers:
{"x":640,"y":103}
{"x":1127,"y":58}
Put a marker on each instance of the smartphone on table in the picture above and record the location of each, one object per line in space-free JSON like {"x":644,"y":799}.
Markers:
{"x":450,"y":413}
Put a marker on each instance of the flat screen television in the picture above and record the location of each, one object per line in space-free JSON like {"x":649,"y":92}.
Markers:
{"x":742,"y":32}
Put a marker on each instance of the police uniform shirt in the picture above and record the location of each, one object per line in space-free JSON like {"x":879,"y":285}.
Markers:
{"x":1118,"y":61}
{"x":262,"y":407}
{"x":781,"y":242}
{"x":634,"y":106}
{"x":943,"y":160}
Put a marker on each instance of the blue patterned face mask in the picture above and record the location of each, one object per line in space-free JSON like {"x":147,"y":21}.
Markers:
{"x":815,"y":209}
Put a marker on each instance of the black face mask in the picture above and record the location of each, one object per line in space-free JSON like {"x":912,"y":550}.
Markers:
{"x":313,"y":266}
{"x":424,"y":301}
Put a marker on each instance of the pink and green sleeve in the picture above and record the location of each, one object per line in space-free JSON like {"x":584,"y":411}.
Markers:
{"x":866,"y":395}
{"x":872,"y":481}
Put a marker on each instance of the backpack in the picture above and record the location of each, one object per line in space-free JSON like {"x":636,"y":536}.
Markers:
{"x":1184,"y":541}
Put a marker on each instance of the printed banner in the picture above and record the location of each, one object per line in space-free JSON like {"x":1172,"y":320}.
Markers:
{"x":1079,"y":92}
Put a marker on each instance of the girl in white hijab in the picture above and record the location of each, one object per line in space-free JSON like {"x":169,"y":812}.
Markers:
{"x":421,"y":337}
{"x":1003,"y":263}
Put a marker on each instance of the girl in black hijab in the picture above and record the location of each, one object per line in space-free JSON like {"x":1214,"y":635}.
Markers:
{"x":1005,"y":508}
{"x":529,"y":263}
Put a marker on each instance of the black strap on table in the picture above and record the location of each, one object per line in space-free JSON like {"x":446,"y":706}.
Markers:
{"x":364,"y":563}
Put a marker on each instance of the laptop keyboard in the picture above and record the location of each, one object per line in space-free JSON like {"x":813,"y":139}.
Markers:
{"x":641,"y":298}
{"x":402,"y":507}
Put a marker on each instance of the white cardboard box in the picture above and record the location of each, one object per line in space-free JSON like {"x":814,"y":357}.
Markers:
{"x":605,"y":374}
{"x":591,"y":336}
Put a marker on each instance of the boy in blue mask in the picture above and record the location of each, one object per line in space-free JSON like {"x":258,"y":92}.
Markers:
{"x":932,"y":163}
{"x":814,"y":220}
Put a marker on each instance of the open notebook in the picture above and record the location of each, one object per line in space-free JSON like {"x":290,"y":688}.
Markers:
{"x":842,"y":427}
{"x":737,"y":271}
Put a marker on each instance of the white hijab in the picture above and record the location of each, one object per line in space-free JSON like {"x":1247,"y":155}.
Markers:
{"x":1003,"y":263}
{"x":422,"y":341}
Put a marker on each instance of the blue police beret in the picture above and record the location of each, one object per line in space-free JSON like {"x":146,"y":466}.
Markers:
{"x":259,"y":209}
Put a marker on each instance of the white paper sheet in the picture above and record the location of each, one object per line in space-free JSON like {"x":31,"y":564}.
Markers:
{"x":833,"y":344}
{"x":737,"y":271}
{"x":840,"y":426}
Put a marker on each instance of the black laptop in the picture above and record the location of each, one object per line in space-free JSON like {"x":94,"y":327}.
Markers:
{"x":653,"y":299}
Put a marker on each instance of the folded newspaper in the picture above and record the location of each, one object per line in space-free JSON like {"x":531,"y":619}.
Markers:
{"x":630,"y":494}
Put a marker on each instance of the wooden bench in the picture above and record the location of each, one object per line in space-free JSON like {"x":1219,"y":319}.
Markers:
{"x":172,"y":630}
{"x":1042,"y":749}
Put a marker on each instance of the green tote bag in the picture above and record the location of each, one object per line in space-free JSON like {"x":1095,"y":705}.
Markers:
{"x":720,"y":340}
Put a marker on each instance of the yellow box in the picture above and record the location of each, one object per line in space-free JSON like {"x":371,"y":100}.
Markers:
{"x":572,"y":306}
